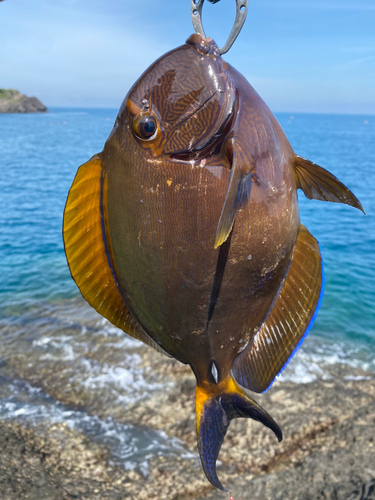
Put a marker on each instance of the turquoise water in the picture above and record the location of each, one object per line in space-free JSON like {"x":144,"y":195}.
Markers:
{"x":41,"y":317}
{"x":344,"y":145}
{"x":40,"y":155}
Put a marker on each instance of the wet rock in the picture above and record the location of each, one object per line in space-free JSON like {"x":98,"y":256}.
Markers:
{"x":59,"y":464}
{"x":76,"y":359}
{"x":325,"y":459}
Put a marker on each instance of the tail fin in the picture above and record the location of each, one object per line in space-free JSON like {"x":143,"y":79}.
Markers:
{"x":215,"y":409}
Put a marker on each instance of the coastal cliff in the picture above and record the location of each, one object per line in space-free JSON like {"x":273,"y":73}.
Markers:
{"x":12,"y":101}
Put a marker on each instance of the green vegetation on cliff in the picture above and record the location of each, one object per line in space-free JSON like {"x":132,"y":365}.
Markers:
{"x":6,"y":93}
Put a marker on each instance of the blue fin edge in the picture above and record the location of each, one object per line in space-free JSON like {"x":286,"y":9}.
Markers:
{"x":310,"y":325}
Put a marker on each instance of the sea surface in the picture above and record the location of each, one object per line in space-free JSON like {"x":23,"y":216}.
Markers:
{"x":44,"y":324}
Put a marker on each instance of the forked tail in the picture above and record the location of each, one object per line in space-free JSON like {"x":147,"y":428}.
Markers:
{"x":216,"y":406}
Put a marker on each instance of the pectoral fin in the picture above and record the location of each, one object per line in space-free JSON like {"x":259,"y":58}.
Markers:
{"x":238,"y":193}
{"x":319,"y":184}
{"x":291,"y":317}
{"x":86,"y":252}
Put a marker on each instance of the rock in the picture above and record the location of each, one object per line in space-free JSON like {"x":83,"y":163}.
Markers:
{"x":328,"y":450}
{"x":58,"y":465}
{"x":12,"y":101}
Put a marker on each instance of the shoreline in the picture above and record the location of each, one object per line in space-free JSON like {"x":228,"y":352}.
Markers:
{"x":328,"y":449}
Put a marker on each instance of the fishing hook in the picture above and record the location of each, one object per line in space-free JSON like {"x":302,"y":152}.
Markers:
{"x":241,"y":13}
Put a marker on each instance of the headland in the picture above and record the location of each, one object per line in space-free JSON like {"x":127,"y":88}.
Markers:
{"x":12,"y":101}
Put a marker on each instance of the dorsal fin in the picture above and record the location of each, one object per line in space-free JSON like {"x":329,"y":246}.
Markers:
{"x":319,"y":184}
{"x":86,"y":253}
{"x":291,"y":317}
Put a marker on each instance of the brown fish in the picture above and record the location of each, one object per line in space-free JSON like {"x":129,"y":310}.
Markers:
{"x":185,"y":233}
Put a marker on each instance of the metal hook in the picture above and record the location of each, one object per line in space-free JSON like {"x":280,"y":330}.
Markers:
{"x":241,"y":13}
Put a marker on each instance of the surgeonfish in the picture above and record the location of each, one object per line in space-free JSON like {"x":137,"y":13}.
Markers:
{"x":185,"y":233}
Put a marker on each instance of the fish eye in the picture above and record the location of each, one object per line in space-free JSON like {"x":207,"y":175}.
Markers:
{"x":145,"y":126}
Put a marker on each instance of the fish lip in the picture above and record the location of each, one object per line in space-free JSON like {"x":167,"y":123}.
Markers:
{"x":213,"y":144}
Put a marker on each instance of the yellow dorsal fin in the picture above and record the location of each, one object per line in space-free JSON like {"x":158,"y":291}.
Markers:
{"x":86,"y":253}
{"x":291,"y":317}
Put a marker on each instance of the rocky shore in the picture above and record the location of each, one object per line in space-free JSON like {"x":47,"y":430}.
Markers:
{"x":12,"y":101}
{"x":328,"y":451}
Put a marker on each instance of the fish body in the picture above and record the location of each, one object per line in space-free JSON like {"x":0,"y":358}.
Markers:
{"x":185,"y":232}
{"x":173,"y":193}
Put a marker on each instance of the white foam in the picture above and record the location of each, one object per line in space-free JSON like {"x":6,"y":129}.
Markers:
{"x":126,"y":382}
{"x":131,"y":447}
{"x":301,"y":370}
{"x":108,"y":330}
{"x":60,"y":348}
{"x":357,"y":377}
{"x":316,"y":359}
{"x":41,"y":342}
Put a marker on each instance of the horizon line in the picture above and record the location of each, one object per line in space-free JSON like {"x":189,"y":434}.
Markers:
{"x":273,"y":111}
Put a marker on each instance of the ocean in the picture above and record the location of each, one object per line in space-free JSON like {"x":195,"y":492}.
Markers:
{"x":53,"y":345}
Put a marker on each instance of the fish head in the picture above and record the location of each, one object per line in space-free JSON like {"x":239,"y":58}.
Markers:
{"x":181,"y":106}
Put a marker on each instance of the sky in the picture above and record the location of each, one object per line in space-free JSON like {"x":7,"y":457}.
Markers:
{"x":300,"y":55}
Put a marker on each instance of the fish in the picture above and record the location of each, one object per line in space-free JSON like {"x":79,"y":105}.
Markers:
{"x":185,"y":233}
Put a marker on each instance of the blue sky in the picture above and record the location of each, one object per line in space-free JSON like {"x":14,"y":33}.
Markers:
{"x":300,"y":55}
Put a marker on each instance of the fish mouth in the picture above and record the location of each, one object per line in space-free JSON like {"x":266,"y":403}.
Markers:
{"x":213,"y":144}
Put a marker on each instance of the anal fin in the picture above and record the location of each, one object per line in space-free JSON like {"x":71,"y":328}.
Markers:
{"x":87,"y":254}
{"x":290,"y":318}
{"x":319,"y":184}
